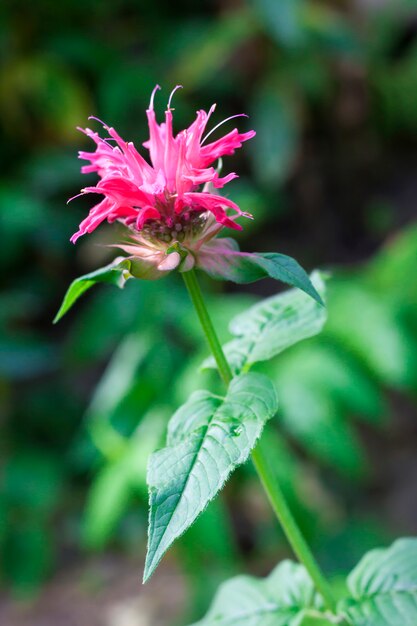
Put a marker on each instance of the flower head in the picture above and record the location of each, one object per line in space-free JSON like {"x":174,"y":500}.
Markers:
{"x":170,"y":199}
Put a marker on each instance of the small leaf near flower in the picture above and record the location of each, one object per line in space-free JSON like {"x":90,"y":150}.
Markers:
{"x":116,"y":273}
{"x":222,"y":259}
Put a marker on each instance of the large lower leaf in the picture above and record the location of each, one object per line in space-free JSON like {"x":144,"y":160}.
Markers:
{"x":221,"y":259}
{"x":384,"y":587}
{"x":115,"y":273}
{"x":285,"y":598}
{"x":272,"y":325}
{"x":207,"y":438}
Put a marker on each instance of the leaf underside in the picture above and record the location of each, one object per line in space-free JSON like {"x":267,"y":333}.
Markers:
{"x":273,"y":325}
{"x":384,"y":587}
{"x":285,"y":598}
{"x":207,"y":438}
{"x":222,"y":260}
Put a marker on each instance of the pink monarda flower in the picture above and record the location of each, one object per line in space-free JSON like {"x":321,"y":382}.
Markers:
{"x":170,"y":200}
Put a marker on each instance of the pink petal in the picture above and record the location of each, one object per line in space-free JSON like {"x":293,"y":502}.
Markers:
{"x":145,"y":214}
{"x":218,"y":183}
{"x":225,"y":145}
{"x":97,"y":215}
{"x":216,"y":205}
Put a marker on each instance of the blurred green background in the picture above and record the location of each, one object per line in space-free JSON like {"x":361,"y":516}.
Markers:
{"x":331,"y":89}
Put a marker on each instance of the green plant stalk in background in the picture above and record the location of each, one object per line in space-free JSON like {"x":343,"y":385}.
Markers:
{"x":260,"y":461}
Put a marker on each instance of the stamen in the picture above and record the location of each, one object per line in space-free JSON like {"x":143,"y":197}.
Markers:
{"x":97,"y":119}
{"x":211,"y":110}
{"x":95,"y":136}
{"x":221,"y":123}
{"x":77,"y":196}
{"x":172,"y":93}
{"x":156,"y":88}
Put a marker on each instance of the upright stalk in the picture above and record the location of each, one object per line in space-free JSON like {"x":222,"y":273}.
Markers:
{"x":289,"y":525}
{"x":266,"y":475}
{"x":196,"y":295}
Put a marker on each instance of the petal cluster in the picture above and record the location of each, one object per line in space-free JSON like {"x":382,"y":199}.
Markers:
{"x":170,"y":191}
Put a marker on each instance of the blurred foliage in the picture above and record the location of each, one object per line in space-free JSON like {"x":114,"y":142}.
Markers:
{"x":331,"y":91}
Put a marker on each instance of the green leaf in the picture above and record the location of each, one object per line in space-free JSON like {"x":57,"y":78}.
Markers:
{"x":207,"y":438}
{"x":217,"y":43}
{"x":311,"y":618}
{"x":313,"y":417}
{"x":273,"y":325}
{"x":329,"y":32}
{"x":116,"y":273}
{"x":285,"y":598}
{"x":333,"y":372}
{"x":32,"y":480}
{"x":221,"y":259}
{"x":114,"y":386}
{"x":219,"y":553}
{"x":388,"y":272}
{"x":274,"y":112}
{"x":114,"y":486}
{"x":28,"y":555}
{"x":384,"y":587}
{"x":366,"y":325}
{"x":107,"y":501}
{"x":321,"y":387}
{"x":282,"y":20}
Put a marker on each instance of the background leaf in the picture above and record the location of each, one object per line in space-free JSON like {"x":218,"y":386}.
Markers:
{"x":120,"y":479}
{"x":281,"y":599}
{"x":384,"y":587}
{"x":274,"y":114}
{"x":316,"y":419}
{"x":361,"y":321}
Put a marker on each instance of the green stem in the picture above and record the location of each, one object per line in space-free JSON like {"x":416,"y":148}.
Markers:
{"x":276,"y":497}
{"x":266,"y":474}
{"x":196,"y":295}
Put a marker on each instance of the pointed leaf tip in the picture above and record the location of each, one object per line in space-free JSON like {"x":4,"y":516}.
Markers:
{"x":222,"y":260}
{"x":116,"y":273}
